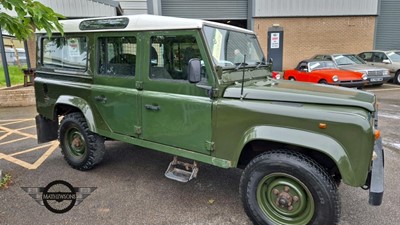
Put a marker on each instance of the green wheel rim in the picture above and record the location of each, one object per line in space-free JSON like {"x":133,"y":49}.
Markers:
{"x":75,"y":143}
{"x":285,"y":199}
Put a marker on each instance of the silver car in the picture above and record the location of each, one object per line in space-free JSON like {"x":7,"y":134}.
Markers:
{"x":376,"y":75}
{"x":386,"y":59}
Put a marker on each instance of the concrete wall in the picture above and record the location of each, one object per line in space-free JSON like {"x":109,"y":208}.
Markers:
{"x":307,"y":36}
{"x":12,"y":97}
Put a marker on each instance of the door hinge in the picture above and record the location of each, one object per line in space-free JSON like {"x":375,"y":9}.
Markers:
{"x":138,"y":130}
{"x":139,"y":85}
{"x":210,"y":146}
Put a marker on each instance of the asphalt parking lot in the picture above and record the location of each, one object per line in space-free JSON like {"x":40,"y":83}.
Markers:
{"x":132,"y":189}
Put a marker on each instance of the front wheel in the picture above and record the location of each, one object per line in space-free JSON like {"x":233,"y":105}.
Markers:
{"x":285,"y":187}
{"x":81,"y":148}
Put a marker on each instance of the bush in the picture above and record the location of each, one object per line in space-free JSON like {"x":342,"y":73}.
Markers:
{"x":16,"y":76}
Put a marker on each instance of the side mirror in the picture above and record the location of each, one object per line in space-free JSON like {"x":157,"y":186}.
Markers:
{"x":194,"y":70}
{"x":386,"y":61}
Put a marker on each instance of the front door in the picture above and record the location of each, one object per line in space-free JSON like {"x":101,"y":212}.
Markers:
{"x":175,"y":112}
{"x":114,"y":91}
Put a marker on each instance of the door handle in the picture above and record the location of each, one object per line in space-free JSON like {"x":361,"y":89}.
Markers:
{"x":100,"y":98}
{"x":152,"y":107}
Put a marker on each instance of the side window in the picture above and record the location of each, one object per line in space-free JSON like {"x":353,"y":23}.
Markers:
{"x":170,"y":55}
{"x":367,"y":56}
{"x":302,"y":66}
{"x":69,"y":53}
{"x":319,"y":57}
{"x":117,"y":56}
{"x":378,"y":57}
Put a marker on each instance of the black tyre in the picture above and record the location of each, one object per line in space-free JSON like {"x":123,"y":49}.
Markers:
{"x":292,"y":79}
{"x":396,"y":78}
{"x":81,"y":148}
{"x":284,"y":187}
{"x":323,"y":82}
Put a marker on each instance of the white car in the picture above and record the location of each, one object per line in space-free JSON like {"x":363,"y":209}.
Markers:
{"x":386,"y":59}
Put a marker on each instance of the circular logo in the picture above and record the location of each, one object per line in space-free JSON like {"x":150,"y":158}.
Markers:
{"x":59,"y":196}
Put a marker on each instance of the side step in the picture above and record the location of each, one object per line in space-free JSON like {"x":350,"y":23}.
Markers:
{"x":185,"y":173}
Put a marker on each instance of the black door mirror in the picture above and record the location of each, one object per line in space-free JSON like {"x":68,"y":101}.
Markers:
{"x":194,"y":70}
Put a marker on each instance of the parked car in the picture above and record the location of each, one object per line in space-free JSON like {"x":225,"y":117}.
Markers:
{"x":376,"y":75}
{"x":276,"y":75}
{"x":325,"y":72}
{"x":386,"y":59}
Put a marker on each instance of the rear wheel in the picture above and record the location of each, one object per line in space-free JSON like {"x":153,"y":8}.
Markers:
{"x":81,"y":148}
{"x":292,"y":78}
{"x":396,"y":78}
{"x":284,"y":187}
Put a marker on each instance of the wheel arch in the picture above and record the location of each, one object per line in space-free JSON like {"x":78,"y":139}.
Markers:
{"x":320,"y":148}
{"x":67,"y":104}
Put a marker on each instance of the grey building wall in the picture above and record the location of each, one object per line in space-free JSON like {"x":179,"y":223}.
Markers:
{"x":387,"y":30}
{"x":302,"y":8}
{"x":134,"y":7}
{"x":83,"y":8}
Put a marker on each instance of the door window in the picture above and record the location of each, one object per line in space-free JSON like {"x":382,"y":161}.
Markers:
{"x":170,"y":56}
{"x":117,"y":56}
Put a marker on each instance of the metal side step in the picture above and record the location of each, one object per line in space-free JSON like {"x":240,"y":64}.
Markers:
{"x":181,"y":171}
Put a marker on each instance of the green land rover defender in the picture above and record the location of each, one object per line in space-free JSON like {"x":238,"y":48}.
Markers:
{"x":172,"y":85}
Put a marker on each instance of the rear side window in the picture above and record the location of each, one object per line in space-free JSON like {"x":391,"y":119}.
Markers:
{"x":67,"y":53}
{"x":367,"y":56}
{"x":117,"y":56}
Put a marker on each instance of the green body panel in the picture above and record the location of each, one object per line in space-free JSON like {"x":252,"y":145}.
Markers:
{"x":191,"y":121}
{"x":182,"y":121}
{"x":118,"y":107}
{"x":170,"y":150}
{"x":242,"y":121}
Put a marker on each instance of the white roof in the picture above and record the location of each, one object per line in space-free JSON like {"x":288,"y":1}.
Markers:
{"x":148,"y":22}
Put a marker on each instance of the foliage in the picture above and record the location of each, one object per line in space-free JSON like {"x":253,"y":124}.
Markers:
{"x":5,"y":181}
{"x":16,"y":75}
{"x":30,"y":15}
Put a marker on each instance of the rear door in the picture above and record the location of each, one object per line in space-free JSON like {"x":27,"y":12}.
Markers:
{"x":114,"y":91}
{"x":176,"y":112}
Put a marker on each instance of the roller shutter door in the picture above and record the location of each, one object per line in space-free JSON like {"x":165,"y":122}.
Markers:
{"x":387,"y":34}
{"x":206,"y":9}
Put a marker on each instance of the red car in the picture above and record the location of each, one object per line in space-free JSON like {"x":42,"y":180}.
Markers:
{"x":325,"y":72}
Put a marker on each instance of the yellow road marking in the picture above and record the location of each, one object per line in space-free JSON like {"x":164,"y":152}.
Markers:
{"x":15,"y":121}
{"x":5,"y":135}
{"x":45,"y":156}
{"x":14,"y":140}
{"x":24,"y":128}
{"x":35,"y":165}
{"x":17,"y":132}
{"x":16,"y":161}
{"x":31,"y":149}
{"x":7,"y":132}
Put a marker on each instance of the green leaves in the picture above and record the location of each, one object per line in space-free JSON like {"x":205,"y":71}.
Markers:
{"x":30,"y":15}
